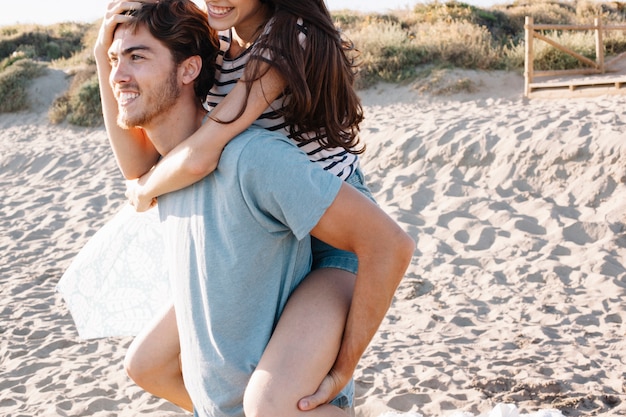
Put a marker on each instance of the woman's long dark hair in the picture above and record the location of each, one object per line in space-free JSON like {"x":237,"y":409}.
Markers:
{"x":320,"y":94}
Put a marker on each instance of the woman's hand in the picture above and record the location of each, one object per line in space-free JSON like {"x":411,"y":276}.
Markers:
{"x":137,"y":199}
{"x":116,"y":13}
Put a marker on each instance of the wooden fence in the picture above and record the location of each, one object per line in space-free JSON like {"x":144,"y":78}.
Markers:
{"x":599,"y":66}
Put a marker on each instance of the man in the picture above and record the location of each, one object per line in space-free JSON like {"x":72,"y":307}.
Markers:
{"x":237,"y":241}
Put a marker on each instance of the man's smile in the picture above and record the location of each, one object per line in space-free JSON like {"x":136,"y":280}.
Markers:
{"x":124,"y":98}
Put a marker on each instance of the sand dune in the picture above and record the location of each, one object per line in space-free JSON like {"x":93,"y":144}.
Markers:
{"x":516,"y":292}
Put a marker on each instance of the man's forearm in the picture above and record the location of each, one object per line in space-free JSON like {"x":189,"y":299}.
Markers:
{"x":384,"y":250}
{"x":378,"y":277}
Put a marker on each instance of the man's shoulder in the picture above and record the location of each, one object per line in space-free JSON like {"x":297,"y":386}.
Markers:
{"x":256,"y":142}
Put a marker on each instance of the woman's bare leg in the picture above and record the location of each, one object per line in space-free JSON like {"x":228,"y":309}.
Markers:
{"x":303,"y":347}
{"x":152,"y":360}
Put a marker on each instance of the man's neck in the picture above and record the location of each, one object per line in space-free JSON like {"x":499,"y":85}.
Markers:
{"x":175,"y":126}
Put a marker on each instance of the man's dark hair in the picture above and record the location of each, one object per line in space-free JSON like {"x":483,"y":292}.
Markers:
{"x":184,"y":29}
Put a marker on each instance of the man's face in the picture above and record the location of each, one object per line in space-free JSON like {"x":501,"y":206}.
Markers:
{"x":143,"y":77}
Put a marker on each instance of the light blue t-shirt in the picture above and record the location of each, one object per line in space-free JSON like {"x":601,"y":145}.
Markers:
{"x":237,"y":245}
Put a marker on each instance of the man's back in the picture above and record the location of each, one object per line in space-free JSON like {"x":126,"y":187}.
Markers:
{"x":249,"y":222}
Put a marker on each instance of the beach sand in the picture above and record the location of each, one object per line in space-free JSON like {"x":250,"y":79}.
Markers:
{"x":516,"y":293}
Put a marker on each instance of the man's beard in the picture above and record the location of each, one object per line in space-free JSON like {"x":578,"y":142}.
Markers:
{"x":154,"y":104}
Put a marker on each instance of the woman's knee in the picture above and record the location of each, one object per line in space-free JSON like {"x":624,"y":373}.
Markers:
{"x":155,"y":351}
{"x":138,"y":369}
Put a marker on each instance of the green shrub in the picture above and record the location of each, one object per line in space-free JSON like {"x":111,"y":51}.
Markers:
{"x":46,"y":43}
{"x":615,"y":45}
{"x":13,"y":84}
{"x":80,"y":105}
{"x":83,"y":56}
{"x":548,"y":57}
{"x":60,"y":109}
{"x":85,"y":105}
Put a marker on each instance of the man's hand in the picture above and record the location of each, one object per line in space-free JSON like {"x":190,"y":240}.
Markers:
{"x":138,"y":200}
{"x":327,"y":391}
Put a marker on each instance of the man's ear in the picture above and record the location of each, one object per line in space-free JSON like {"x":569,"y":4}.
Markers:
{"x":191,"y":68}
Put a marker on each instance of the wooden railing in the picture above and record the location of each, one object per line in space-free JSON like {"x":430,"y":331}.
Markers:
{"x":599,"y":66}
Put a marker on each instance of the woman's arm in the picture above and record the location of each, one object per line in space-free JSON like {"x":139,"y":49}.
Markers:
{"x":198,"y":155}
{"x":134,"y":152}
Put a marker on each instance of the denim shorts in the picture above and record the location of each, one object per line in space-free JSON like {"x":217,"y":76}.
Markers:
{"x":326,"y":256}
{"x":345,"y":399}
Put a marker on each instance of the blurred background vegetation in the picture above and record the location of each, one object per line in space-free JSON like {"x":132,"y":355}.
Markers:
{"x":398,"y":46}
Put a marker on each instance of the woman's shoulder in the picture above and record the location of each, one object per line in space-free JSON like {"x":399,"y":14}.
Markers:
{"x":300,"y":25}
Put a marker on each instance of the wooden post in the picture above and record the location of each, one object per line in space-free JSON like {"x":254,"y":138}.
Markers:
{"x":529,"y":54}
{"x":599,"y":45}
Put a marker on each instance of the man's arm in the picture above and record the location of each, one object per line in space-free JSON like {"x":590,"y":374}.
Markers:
{"x":384,"y":251}
{"x":134,"y":152}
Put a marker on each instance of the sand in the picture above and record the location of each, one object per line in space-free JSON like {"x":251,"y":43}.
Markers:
{"x":516,"y":292}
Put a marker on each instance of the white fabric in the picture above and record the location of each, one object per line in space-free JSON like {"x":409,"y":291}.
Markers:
{"x":117,"y":282}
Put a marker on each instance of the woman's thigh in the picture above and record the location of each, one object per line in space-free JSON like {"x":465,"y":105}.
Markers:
{"x":306,"y":340}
